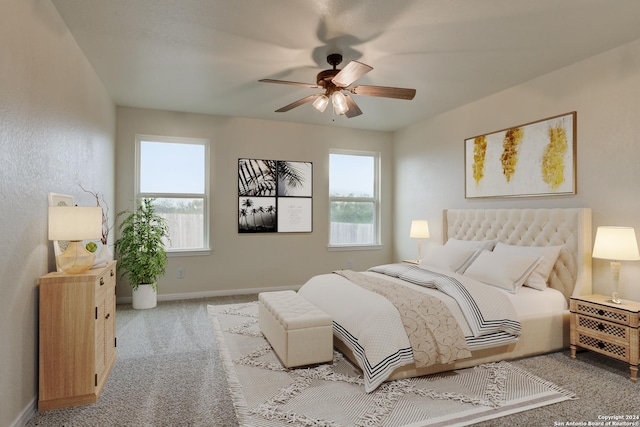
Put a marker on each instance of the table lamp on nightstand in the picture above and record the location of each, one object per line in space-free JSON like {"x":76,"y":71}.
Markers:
{"x":75,"y":224}
{"x":419,"y":230}
{"x":616,"y":244}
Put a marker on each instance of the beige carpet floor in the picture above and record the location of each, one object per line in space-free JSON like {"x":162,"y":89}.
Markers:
{"x":169,"y":373}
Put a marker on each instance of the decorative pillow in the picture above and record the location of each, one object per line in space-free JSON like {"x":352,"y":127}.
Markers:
{"x":538,"y":279}
{"x":450,"y":258}
{"x":502,"y":270}
{"x":471,"y":244}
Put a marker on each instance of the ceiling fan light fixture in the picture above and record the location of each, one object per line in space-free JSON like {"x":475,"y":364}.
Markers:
{"x":321,"y":103}
{"x":339,"y":102}
{"x":337,"y":85}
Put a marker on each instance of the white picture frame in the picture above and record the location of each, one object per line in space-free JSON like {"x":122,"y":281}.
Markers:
{"x":59,"y":246}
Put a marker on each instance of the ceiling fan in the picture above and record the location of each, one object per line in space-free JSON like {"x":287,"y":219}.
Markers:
{"x":337,"y":88}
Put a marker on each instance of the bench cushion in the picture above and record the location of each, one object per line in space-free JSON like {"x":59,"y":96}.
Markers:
{"x":299,"y":333}
{"x":293,"y":311}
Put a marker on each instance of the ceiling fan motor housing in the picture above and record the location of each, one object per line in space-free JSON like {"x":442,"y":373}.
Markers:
{"x":324,"y":77}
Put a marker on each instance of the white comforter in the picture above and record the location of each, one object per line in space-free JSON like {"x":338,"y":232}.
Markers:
{"x":372,"y":328}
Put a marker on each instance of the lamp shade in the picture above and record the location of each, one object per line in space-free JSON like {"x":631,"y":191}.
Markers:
{"x":75,"y":222}
{"x":616,"y":243}
{"x":419,"y":229}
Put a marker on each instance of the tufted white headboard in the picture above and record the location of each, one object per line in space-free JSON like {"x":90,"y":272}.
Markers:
{"x":570,"y":228}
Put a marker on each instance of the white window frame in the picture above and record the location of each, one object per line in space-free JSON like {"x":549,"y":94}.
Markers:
{"x":206,"y":249}
{"x":375,"y":199}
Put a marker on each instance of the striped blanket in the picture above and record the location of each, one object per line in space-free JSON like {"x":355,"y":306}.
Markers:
{"x":433,"y":331}
{"x":372,"y":328}
{"x":488,"y":312}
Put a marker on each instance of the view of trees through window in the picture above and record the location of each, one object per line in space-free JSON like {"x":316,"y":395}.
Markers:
{"x":185,"y":220}
{"x":173,"y":172}
{"x":353,"y":181}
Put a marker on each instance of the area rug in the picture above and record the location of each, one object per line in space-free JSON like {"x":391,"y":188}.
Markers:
{"x":265,"y":394}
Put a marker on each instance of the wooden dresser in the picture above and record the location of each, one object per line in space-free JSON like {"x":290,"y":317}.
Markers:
{"x":77,"y":336}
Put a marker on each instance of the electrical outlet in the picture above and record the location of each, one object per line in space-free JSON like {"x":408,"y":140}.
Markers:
{"x":180,"y":273}
{"x":350,"y":264}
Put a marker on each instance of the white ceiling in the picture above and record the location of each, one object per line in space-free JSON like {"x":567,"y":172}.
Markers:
{"x":206,"y":56}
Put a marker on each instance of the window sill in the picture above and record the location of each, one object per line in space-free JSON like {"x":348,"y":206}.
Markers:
{"x":194,"y":252}
{"x":354,"y":248}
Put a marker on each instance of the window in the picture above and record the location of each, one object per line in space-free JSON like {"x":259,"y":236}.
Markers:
{"x":353,"y":198}
{"x":175,"y":172}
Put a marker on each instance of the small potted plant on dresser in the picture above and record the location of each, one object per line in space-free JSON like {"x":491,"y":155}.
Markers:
{"x":141,"y":251}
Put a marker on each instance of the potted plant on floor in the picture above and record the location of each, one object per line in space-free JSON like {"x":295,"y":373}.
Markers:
{"x":141,"y":251}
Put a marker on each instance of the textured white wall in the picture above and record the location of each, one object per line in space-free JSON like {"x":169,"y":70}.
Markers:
{"x":253,"y":261}
{"x":604,"y":90}
{"x":57,"y":130}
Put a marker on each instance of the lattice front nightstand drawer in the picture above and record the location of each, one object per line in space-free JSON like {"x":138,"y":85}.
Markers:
{"x":602,"y":329}
{"x":602,"y":312}
{"x":605,"y":347}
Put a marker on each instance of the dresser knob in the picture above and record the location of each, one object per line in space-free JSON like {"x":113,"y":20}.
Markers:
{"x":101,"y":281}
{"x":107,"y":316}
{"x":601,"y":326}
{"x":111,"y":273}
{"x":601,"y":312}
{"x":600,"y":345}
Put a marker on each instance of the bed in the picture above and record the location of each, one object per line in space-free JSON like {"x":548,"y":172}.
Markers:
{"x":542,"y":313}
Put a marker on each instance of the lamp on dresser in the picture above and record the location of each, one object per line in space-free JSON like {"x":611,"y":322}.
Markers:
{"x":419,"y":230}
{"x":75,"y":224}
{"x":616,"y":244}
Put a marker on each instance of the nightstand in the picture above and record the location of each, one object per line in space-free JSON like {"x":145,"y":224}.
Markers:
{"x":607,"y":328}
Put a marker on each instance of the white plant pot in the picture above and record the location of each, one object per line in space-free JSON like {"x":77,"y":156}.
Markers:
{"x":144,"y":297}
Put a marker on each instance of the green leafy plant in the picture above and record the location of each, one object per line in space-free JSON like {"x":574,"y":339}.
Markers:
{"x":140,"y":248}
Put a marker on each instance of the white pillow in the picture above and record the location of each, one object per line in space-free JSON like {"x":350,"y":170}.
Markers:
{"x":449,"y":258}
{"x":471,"y":244}
{"x":538,"y":279}
{"x":502,"y":270}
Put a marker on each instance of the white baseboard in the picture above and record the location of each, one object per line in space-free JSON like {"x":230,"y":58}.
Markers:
{"x":26,"y":413}
{"x":208,"y":294}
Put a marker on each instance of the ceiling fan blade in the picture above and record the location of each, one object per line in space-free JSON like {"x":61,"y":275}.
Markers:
{"x":349,"y":74}
{"x":384,"y":91}
{"x":298,"y":103}
{"x":353,"y":110}
{"x":285,"y":82}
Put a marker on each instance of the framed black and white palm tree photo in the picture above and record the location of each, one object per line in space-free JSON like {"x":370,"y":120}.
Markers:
{"x":274,"y":196}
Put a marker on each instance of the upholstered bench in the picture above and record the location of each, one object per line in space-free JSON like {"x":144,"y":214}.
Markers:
{"x":299,"y":332}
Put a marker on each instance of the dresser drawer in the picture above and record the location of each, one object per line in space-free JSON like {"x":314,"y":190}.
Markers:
{"x":600,"y":311}
{"x":107,"y":278}
{"x":609,"y":348}
{"x":602,"y":329}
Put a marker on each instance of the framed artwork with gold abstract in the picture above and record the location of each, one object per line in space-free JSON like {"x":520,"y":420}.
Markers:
{"x":534,"y":159}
